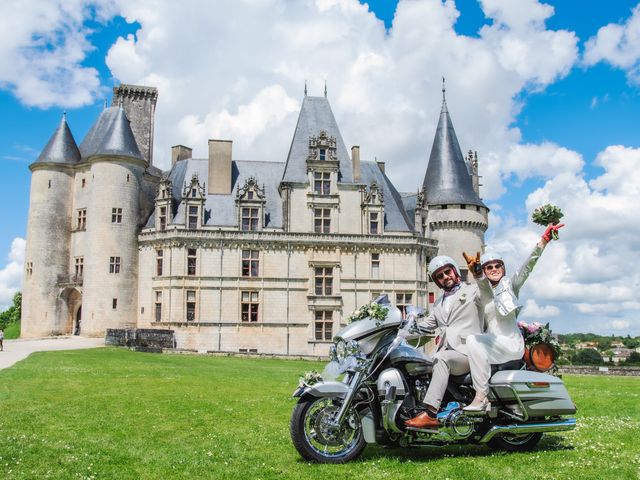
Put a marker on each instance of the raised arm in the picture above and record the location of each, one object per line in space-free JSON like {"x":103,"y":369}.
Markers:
{"x":521,"y":275}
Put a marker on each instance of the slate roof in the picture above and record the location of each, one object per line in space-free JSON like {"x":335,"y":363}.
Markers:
{"x":395,"y":216}
{"x":448,"y":180}
{"x":110,"y":135}
{"x":220,"y":210}
{"x":315,"y":115}
{"x":61,"y":147}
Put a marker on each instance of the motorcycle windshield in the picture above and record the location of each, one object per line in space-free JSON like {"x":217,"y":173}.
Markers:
{"x":367,"y":326}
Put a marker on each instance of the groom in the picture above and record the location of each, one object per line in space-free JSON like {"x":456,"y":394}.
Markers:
{"x":457,"y":314}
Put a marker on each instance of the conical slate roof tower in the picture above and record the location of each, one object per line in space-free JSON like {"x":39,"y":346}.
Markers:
{"x":61,"y":147}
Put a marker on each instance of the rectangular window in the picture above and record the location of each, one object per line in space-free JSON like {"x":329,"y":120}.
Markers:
{"x":82,"y":219}
{"x":322,"y":183}
{"x":193,"y":218}
{"x":322,"y":220}
{"x":83,"y":182}
{"x":29,"y":266}
{"x":114,"y":303}
{"x":323,"y":280}
{"x":114,"y":264}
{"x":375,"y":265}
{"x":323,"y":324}
{"x":323,"y":154}
{"x":116,"y":215}
{"x":249,"y":306}
{"x":403,"y":300}
{"x":191,"y":261}
{"x":374,"y":223}
{"x":250,"y":263}
{"x":79,"y":268}
{"x":432,"y":297}
{"x":158,"y":311}
{"x":250,"y":217}
{"x":464,"y":274}
{"x":163,"y":218}
{"x":159,"y":258}
{"x":191,"y":305}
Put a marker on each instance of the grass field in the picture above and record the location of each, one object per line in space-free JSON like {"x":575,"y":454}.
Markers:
{"x":113,"y":413}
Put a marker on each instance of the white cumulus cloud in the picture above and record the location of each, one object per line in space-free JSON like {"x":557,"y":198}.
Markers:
{"x":11,"y":274}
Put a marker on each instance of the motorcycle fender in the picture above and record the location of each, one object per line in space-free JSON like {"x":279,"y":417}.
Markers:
{"x":323,"y":389}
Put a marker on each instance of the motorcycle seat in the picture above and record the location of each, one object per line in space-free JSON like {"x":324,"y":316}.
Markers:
{"x":497,"y":367}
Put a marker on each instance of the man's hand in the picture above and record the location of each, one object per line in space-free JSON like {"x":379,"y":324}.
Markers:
{"x":551,"y":233}
{"x":473,"y":263}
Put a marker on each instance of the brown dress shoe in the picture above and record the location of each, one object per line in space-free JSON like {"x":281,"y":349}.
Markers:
{"x":422,"y":421}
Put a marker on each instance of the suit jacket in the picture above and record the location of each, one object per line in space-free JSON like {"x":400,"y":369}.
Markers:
{"x":464,"y":318}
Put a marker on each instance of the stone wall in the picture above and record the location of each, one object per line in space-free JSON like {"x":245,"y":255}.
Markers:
{"x":141,"y":339}
{"x":595,"y":370}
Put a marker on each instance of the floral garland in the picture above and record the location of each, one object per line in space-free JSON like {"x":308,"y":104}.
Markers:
{"x":371,"y":310}
{"x":309,"y":379}
{"x":536,"y":333}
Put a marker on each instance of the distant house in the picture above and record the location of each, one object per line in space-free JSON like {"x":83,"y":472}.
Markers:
{"x":621,"y":354}
{"x":583,"y":345}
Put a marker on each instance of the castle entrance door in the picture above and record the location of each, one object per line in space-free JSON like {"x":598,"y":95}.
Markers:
{"x":76,"y":327}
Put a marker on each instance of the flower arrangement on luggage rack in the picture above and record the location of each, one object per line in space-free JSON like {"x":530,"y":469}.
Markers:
{"x":541,"y":347}
{"x":370,"y":310}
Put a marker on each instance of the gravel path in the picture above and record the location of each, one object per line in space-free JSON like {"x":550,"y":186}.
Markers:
{"x":16,"y":350}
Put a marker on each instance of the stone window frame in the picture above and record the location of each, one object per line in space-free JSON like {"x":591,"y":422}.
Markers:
{"x":251,"y":213}
{"x":403,"y":300}
{"x":116,"y":215}
{"x":249,"y":306}
{"x":114,"y":304}
{"x":115,"y":264}
{"x":323,"y":276}
{"x":192,"y":262}
{"x":159,"y":262}
{"x":322,"y":183}
{"x":78,"y":268}
{"x":248,"y":259}
{"x":81,"y":219}
{"x":373,"y":203}
{"x":162,"y":218}
{"x":322,"y":220}
{"x":191,"y":304}
{"x":251,"y":206}
{"x":194,"y":195}
{"x":325,"y":332}
{"x":157,"y":311}
{"x":29,"y":268}
{"x":193,"y":217}
{"x":375,"y":265}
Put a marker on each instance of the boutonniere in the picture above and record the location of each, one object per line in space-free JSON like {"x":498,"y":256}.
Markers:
{"x":463,"y":298}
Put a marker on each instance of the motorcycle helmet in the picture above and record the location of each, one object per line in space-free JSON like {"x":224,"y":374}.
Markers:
{"x":439,"y":262}
{"x":491,"y":257}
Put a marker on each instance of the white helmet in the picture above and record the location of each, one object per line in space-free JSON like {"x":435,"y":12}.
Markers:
{"x":491,"y":257}
{"x":441,"y":261}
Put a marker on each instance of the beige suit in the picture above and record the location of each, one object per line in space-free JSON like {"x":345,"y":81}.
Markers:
{"x":455,"y":318}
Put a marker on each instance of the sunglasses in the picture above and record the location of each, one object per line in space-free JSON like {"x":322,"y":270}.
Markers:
{"x":443,"y":273}
{"x":493,"y":266}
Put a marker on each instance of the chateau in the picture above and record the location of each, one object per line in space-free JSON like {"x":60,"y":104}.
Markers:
{"x":234,"y":256}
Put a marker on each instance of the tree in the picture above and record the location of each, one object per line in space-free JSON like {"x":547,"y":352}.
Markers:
{"x":12,"y":314}
{"x":634,"y":359}
{"x":588,"y":356}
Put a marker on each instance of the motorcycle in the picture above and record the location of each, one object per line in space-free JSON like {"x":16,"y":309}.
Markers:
{"x":378,"y":378}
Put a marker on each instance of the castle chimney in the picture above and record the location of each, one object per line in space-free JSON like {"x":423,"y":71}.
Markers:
{"x":355,"y":161}
{"x":219,"y":180}
{"x":139,"y":105}
{"x":179,"y":152}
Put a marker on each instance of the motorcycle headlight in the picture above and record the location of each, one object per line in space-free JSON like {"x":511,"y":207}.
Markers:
{"x":333,"y":356}
{"x":341,"y":350}
{"x":353,"y":348}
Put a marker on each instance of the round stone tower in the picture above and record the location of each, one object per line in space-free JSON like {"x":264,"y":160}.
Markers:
{"x":452,"y":211}
{"x":113,"y":218}
{"x":47,"y":267}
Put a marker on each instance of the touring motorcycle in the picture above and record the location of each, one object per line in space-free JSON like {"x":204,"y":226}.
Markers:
{"x":377,"y":378}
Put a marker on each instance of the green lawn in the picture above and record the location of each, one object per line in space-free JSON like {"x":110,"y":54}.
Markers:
{"x":113,"y":413}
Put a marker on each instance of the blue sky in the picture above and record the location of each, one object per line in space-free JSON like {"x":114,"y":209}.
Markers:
{"x":545,"y":93}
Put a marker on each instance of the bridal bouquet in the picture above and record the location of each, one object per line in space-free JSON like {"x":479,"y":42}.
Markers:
{"x":535,"y":333}
{"x":547,"y":215}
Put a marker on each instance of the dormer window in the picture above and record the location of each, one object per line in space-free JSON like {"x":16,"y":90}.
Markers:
{"x":322,"y":183}
{"x":251,"y":202}
{"x":194,"y":197}
{"x":163,"y":204}
{"x":373,"y":210}
{"x":323,"y":154}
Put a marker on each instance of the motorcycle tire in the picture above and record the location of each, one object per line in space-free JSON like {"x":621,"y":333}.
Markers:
{"x":317,"y":440}
{"x":515,"y":443}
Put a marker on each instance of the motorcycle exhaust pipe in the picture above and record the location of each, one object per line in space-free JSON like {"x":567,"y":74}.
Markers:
{"x":561,"y":426}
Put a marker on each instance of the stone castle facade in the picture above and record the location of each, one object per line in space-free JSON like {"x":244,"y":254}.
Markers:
{"x":233,"y":255}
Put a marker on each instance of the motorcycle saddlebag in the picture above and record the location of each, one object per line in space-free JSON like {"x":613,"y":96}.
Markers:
{"x":542,"y":395}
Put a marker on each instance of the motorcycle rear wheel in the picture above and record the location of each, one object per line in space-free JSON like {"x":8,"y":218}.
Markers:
{"x":317,"y":439}
{"x":515,"y":443}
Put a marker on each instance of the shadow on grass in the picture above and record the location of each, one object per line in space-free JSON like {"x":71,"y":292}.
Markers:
{"x":429,"y":453}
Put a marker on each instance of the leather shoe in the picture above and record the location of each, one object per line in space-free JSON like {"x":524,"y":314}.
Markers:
{"x":422,"y":421}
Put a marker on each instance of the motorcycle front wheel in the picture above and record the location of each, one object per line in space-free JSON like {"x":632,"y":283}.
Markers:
{"x":318,"y":439}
